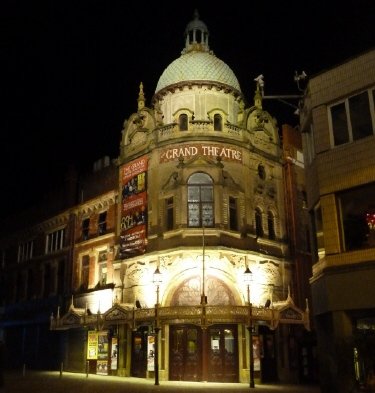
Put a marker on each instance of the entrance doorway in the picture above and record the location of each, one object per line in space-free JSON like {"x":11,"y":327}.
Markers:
{"x":185,"y":353}
{"x":139,"y":352}
{"x":222,"y":354}
{"x":186,"y":357}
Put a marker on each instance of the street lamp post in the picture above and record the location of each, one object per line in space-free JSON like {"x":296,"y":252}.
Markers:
{"x":157,"y":279}
{"x":248,"y":278}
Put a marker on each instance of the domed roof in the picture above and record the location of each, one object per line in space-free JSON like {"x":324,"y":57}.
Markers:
{"x":197,"y":66}
{"x":197,"y":62}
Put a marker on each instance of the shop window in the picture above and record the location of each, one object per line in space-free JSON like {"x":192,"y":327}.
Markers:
{"x":85,"y":228}
{"x":200,"y":200}
{"x":183,"y":122}
{"x":258,"y":223}
{"x":233,"y":221}
{"x":169,"y":213}
{"x":218,"y":122}
{"x":102,"y":223}
{"x":271,"y":226}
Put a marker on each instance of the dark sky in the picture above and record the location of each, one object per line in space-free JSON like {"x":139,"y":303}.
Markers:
{"x":71,"y":69}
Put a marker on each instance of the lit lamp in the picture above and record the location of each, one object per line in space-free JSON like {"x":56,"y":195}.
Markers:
{"x":157,"y":280}
{"x":248,"y":276}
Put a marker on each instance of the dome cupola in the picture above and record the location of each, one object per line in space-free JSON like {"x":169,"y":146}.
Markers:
{"x":197,"y":63}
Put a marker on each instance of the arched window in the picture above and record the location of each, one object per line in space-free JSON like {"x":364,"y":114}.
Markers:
{"x":258,"y":222}
{"x":271,"y":226}
{"x":200,"y":200}
{"x":218,"y":122}
{"x":183,"y":122}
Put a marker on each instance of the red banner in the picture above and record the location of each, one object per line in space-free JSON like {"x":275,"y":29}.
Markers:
{"x":134,"y":208}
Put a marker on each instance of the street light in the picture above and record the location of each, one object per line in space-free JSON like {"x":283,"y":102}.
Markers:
{"x":248,"y":276}
{"x":157,"y":280}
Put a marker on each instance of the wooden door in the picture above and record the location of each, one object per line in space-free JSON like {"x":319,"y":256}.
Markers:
{"x":222,"y":353}
{"x":139,"y":352}
{"x":185,"y":353}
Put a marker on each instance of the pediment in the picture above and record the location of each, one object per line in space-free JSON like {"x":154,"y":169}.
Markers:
{"x":115,"y":313}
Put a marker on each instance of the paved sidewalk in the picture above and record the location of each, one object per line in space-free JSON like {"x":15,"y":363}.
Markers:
{"x":52,"y":382}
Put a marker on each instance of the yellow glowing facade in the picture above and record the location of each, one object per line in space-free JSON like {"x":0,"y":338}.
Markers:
{"x":201,"y":197}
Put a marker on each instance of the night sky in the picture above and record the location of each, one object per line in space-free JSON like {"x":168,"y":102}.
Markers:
{"x":71,"y":69}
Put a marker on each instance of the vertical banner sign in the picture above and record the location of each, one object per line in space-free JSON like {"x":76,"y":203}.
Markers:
{"x":114,"y":353}
{"x":92,"y":345}
{"x":102,"y":363}
{"x":151,"y":353}
{"x":133,"y":208}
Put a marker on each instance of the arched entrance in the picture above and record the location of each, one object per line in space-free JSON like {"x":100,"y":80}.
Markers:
{"x":186,"y":357}
{"x":186,"y":346}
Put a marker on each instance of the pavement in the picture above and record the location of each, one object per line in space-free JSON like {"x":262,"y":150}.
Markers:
{"x":54,"y":382}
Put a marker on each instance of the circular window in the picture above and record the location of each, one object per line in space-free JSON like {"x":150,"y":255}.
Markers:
{"x":261,"y":172}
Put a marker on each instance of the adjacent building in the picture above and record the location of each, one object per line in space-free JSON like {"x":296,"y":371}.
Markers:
{"x":338,"y":125}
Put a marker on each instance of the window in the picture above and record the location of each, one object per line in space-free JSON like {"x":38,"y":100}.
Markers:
{"x":85,"y":268}
{"x":85,"y":228}
{"x":218,"y":122}
{"x":271,"y":226}
{"x":183,"y":122}
{"x":200,"y":201}
{"x":357,"y":210}
{"x":30,"y":284}
{"x":25,"y":251}
{"x":102,"y":223}
{"x":102,"y":267}
{"x":319,"y":234}
{"x":169,"y":213}
{"x":351,"y":119}
{"x":233,"y":222}
{"x":102,"y":273}
{"x":258,"y":223}
{"x":261,"y":172}
{"x":47,"y":281}
{"x":55,"y":241}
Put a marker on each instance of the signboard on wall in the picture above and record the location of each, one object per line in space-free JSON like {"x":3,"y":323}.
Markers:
{"x":92,"y":345}
{"x":133,"y":178}
{"x":114,"y":353}
{"x":209,"y":150}
{"x":151,"y":353}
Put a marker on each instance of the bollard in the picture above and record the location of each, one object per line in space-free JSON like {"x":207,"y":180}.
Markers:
{"x":87,"y":369}
{"x":61,"y":369}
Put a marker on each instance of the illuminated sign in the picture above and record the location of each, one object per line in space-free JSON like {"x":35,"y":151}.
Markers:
{"x":92,"y":344}
{"x":133,"y":208}
{"x":201,"y":149}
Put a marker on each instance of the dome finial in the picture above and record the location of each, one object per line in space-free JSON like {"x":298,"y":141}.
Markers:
{"x":196,"y":35}
{"x":141,"y":97}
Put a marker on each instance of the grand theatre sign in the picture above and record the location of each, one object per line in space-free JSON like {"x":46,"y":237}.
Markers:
{"x":187,"y":151}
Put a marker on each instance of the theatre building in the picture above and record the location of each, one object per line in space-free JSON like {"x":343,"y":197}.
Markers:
{"x":186,"y":264}
{"x":200,"y":206}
